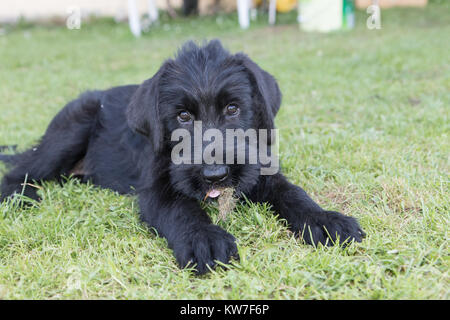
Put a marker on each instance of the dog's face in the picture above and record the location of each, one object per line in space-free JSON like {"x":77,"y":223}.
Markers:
{"x":205,"y":88}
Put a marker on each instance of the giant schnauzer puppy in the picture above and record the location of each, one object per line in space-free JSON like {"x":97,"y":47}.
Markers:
{"x":120,"y":139}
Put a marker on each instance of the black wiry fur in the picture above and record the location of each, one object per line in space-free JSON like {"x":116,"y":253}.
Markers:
{"x":120,"y":138}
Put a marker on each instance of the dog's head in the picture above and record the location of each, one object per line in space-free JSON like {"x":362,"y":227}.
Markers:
{"x":206,"y":88}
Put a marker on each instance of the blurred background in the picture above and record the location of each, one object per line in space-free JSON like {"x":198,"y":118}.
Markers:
{"x":322,"y":15}
{"x":364,"y":129}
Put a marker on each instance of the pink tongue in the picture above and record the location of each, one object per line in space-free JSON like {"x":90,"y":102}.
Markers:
{"x":214,"y":193}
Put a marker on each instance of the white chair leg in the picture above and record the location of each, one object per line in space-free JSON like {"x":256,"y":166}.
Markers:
{"x":133,"y":18}
{"x":243,"y":13}
{"x":272,"y":11}
{"x":152,"y":11}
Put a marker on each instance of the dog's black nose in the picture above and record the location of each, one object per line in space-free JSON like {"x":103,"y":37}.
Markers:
{"x":215,"y":174}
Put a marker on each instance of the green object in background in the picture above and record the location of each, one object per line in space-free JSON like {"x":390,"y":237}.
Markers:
{"x":348,"y":17}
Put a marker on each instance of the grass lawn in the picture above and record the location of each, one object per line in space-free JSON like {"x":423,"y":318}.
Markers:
{"x":364,"y":129}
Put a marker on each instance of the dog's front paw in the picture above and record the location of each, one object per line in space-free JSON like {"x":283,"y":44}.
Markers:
{"x":204,"y":246}
{"x":327,"y":227}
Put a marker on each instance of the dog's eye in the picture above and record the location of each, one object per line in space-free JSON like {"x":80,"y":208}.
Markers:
{"x":184,"y":116}
{"x":232,"y":109}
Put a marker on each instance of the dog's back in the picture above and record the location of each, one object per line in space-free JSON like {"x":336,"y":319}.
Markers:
{"x":84,"y":135}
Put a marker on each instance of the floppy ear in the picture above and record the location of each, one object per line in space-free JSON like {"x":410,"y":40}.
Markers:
{"x":143,"y":111}
{"x":267,"y":93}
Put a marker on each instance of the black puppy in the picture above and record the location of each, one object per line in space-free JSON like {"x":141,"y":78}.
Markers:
{"x":121,"y":139}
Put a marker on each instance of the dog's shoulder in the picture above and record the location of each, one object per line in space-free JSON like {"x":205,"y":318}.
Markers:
{"x":118,"y":96}
{"x":112,"y":105}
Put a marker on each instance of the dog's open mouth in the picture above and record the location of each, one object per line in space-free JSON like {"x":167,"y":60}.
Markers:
{"x":219,"y":192}
{"x":213,"y":193}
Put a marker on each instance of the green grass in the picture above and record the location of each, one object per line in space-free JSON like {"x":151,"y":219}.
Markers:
{"x":364,"y":129}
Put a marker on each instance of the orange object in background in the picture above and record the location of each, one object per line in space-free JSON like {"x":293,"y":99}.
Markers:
{"x":282,"y":5}
{"x":286,"y":5}
{"x":363,"y":4}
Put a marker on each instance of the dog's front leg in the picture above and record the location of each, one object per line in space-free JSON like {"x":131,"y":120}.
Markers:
{"x":188,"y":230}
{"x":305,"y":218}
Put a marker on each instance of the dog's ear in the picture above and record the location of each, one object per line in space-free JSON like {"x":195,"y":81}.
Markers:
{"x":143,"y":111}
{"x":266,"y":92}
